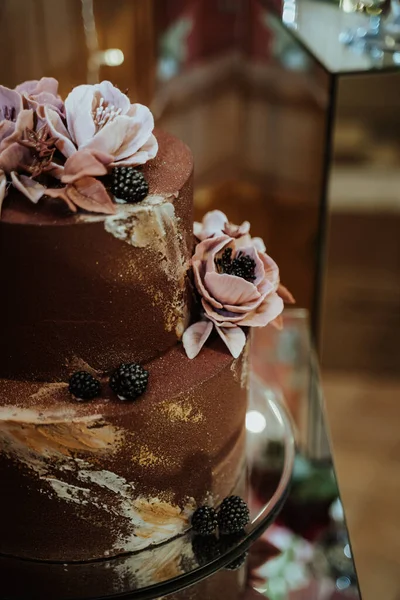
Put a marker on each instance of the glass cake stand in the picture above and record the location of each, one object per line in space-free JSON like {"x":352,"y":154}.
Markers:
{"x":186,"y":560}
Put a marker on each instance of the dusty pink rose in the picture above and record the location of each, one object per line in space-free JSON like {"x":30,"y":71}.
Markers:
{"x":239,"y":287}
{"x":43,"y":92}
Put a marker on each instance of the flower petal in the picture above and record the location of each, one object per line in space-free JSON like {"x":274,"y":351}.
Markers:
{"x":210,"y":246}
{"x":277,"y":323}
{"x":55,"y":170}
{"x":213,"y":223}
{"x":271,"y":269}
{"x":78,"y":107}
{"x":195,"y":337}
{"x":83,"y":163}
{"x":13,"y":156}
{"x":45,"y":99}
{"x":234,"y":338}
{"x":6,"y":129}
{"x":3,"y":188}
{"x":142,"y":116}
{"x":284,"y":293}
{"x":48,"y":85}
{"x":24,"y":120}
{"x":113,"y":96}
{"x":237,"y":230}
{"x":11,"y":99}
{"x":198,"y":272}
{"x":146,"y":152}
{"x":29,"y":187}
{"x":258,"y":244}
{"x":91,"y":195}
{"x":229,"y":289}
{"x":265,"y":313}
{"x":123,"y":136}
{"x":51,"y":117}
{"x":220,"y":316}
{"x":245,"y":308}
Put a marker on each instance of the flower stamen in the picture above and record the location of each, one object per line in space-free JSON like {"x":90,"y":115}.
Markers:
{"x":104,"y":113}
{"x":242,"y":265}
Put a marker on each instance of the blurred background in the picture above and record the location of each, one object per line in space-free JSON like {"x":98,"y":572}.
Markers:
{"x":253,"y":105}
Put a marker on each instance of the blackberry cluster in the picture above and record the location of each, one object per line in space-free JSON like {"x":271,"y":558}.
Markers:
{"x":204,"y":520}
{"x":129,"y":184}
{"x":84,"y":386}
{"x":233,"y":515}
{"x":129,"y":381}
{"x":241,"y":266}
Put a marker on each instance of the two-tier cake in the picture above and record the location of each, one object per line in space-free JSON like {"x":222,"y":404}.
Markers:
{"x":113,"y":431}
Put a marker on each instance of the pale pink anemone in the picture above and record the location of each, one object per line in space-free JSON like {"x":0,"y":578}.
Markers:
{"x":216,"y":222}
{"x":103,"y":130}
{"x":231,"y":302}
{"x":43,"y":92}
{"x":101,"y":118}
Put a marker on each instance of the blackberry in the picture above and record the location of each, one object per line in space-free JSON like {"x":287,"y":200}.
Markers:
{"x":204,"y":520}
{"x":129,"y":381}
{"x":237,"y":563}
{"x":128,"y":184}
{"x":233,"y":515}
{"x":84,"y":386}
{"x":242,"y":265}
{"x":205,"y":548}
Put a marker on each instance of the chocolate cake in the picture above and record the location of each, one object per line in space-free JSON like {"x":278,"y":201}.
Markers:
{"x":94,"y":276}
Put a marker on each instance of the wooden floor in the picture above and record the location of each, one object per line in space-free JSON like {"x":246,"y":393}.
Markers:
{"x":364,"y":416}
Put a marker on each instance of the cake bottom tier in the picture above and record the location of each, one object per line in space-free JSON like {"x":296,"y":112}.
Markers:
{"x":82,"y":481}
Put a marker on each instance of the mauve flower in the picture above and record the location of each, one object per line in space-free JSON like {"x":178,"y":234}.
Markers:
{"x":101,"y":118}
{"x":10,"y":108}
{"x":14,"y":120}
{"x":43,"y":92}
{"x":239,"y":287}
{"x":216,"y":222}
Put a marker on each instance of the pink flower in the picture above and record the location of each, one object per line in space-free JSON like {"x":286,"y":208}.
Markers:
{"x":216,"y":222}
{"x":11,"y":107}
{"x":239,"y":287}
{"x":41,"y":93}
{"x":14,"y":120}
{"x":101,"y":118}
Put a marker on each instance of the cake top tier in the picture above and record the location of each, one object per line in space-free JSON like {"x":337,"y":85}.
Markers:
{"x":96,"y":232}
{"x":80,"y":152}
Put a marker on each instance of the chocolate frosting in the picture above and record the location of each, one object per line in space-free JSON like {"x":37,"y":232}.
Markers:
{"x":101,"y":289}
{"x":92,"y":473}
{"x":91,"y":480}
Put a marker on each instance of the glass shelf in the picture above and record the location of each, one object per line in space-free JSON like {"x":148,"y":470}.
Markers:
{"x":179,"y":563}
{"x":320,"y":26}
